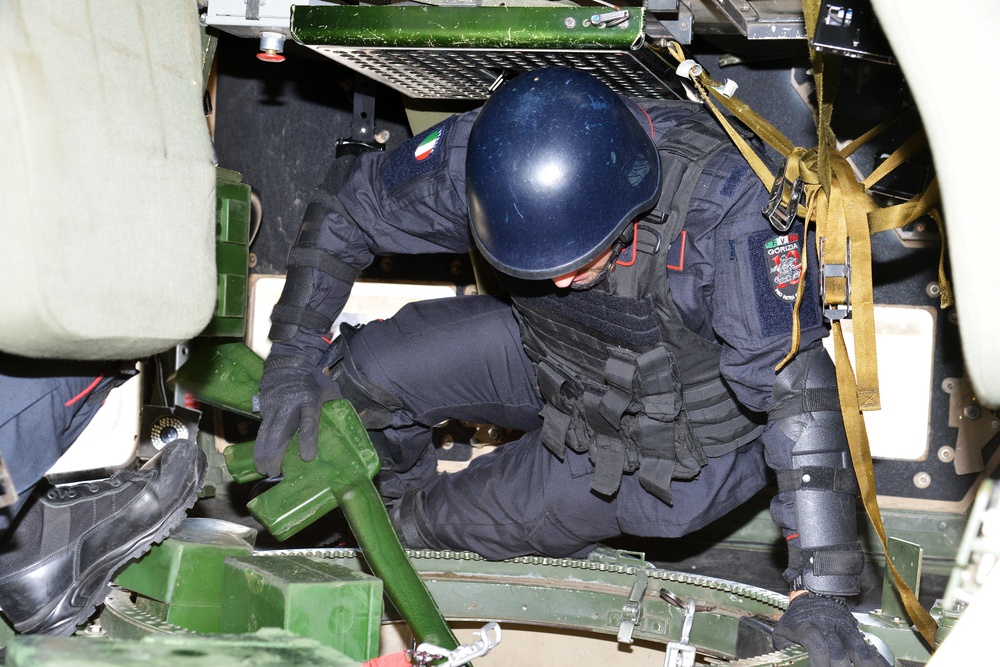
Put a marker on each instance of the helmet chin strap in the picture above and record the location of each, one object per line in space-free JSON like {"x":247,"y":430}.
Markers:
{"x":625,"y":239}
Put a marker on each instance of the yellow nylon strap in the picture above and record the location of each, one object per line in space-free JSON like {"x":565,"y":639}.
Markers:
{"x":843,"y":212}
{"x":862,"y":458}
{"x":947,"y":297}
{"x":851,"y":395}
{"x":927,"y":203}
{"x":910,"y":147}
{"x":893,"y":217}
{"x":856,"y":206}
{"x":849,"y":149}
{"x":703,"y":81}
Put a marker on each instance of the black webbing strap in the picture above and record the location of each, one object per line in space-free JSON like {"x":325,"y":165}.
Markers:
{"x":305,"y":317}
{"x":838,"y":560}
{"x":838,"y":480}
{"x":320,"y":259}
{"x":825,"y":399}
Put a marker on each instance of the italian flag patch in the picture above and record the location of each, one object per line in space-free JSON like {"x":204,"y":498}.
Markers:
{"x":427,"y":146}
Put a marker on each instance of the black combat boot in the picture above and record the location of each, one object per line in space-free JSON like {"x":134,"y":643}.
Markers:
{"x":57,"y":561}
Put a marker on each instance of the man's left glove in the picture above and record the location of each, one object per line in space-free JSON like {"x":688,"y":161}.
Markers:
{"x":292,"y":393}
{"x":825,"y":627}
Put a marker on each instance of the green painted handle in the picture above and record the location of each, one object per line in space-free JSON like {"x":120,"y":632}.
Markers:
{"x":341,"y":474}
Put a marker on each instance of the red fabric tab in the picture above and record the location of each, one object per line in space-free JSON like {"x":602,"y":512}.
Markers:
{"x":392,"y":660}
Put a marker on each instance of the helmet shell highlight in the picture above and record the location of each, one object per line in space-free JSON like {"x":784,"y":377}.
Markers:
{"x":557,"y":166}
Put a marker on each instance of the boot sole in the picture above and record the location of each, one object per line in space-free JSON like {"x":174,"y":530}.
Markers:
{"x":73,"y":613}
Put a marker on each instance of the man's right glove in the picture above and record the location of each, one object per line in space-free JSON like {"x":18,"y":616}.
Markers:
{"x":828,"y":630}
{"x":292,"y":394}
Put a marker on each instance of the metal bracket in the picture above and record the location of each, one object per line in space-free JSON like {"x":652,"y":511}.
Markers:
{"x":363,"y":122}
{"x":632,"y":609}
{"x":682,"y":653}
{"x":827,"y":271}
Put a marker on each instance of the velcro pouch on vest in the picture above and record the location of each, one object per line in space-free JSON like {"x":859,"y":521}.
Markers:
{"x":555,"y":421}
{"x":607,"y":450}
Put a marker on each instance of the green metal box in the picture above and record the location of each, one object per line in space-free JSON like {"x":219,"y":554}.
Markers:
{"x":180,"y":578}
{"x":232,"y":255}
{"x":311,"y":597}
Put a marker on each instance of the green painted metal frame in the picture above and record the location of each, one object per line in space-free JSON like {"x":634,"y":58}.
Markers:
{"x":578,"y":595}
{"x":463,"y":53}
{"x":428,"y":27}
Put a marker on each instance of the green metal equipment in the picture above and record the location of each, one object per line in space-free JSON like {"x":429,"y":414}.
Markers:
{"x":228,"y":376}
{"x":439,"y":52}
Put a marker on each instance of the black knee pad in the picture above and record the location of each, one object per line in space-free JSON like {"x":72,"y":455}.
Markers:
{"x":806,"y":408}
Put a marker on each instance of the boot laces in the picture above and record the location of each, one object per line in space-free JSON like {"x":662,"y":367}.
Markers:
{"x":84,"y":489}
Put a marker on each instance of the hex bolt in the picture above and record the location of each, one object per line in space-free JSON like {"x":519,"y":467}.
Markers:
{"x":946,"y":454}
{"x":921,"y":480}
{"x":933,"y":290}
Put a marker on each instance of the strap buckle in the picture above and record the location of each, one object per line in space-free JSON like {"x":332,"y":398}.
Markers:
{"x":782,"y":217}
{"x":835,"y":311}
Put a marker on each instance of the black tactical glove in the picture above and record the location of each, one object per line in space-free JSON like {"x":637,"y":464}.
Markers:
{"x":828,"y":630}
{"x":292,"y":394}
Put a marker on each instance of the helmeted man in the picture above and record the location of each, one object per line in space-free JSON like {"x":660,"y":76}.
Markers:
{"x":647,"y":303}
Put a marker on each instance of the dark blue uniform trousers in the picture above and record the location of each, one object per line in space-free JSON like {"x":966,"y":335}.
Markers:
{"x":461,"y":358}
{"x":44,"y":406}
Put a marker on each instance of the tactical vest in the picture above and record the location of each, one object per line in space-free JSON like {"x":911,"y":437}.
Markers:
{"x":622,"y":377}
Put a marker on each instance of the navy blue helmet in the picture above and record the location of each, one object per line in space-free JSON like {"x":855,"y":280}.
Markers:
{"x":557,"y":167}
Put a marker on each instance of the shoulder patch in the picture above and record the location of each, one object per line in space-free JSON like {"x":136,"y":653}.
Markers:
{"x":776,"y":270}
{"x":784,"y":265}
{"x":417,"y":156}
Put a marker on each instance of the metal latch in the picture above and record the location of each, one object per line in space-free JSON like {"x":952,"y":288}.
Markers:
{"x":632,"y":609}
{"x":429,"y":654}
{"x":827,"y":271}
{"x":782,"y":217}
{"x":609,"y":19}
{"x":682,"y":654}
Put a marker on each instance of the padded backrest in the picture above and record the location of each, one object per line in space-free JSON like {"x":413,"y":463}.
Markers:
{"x":107,"y":183}
{"x":958,"y":98}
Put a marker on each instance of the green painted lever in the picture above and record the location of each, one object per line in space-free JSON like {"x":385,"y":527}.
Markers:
{"x":341,"y":475}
